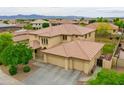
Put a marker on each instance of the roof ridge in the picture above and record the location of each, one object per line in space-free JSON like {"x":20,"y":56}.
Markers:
{"x":82,"y":49}
{"x":77,"y":29}
{"x":65,"y":50}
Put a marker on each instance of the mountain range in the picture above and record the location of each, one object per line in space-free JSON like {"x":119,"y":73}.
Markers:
{"x":34,"y":16}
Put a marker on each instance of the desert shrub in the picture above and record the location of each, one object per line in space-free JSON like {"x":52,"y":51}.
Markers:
{"x":26,"y":69}
{"x":12,"y":70}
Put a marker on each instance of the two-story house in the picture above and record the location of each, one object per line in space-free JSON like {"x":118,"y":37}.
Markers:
{"x":69,"y":46}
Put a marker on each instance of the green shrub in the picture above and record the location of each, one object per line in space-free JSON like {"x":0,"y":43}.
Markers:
{"x":26,"y":69}
{"x":0,"y":63}
{"x":12,"y":70}
{"x":44,"y":25}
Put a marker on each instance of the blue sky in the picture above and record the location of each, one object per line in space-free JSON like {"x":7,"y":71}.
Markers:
{"x":64,"y":11}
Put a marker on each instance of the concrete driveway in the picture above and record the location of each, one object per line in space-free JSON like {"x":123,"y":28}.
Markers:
{"x":52,"y":75}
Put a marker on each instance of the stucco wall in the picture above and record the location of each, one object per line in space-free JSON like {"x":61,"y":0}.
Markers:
{"x":72,"y":63}
{"x":52,"y":41}
{"x":120,"y":62}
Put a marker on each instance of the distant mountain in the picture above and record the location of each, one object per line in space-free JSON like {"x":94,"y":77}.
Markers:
{"x":34,"y":16}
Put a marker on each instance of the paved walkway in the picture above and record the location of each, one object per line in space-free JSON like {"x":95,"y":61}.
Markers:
{"x":50,"y":74}
{"x":8,"y":80}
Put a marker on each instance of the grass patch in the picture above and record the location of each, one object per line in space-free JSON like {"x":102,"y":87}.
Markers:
{"x":108,"y":77}
{"x":108,"y":48}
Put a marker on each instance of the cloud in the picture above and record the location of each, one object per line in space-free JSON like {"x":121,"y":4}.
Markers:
{"x":64,"y":11}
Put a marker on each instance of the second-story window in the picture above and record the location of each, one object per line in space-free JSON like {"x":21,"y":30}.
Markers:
{"x":44,"y":41}
{"x":64,"y":37}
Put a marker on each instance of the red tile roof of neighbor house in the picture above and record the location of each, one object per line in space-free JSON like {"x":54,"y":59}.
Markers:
{"x":97,"y":24}
{"x":63,"y":21}
{"x":81,"y":49}
{"x":64,"y":29}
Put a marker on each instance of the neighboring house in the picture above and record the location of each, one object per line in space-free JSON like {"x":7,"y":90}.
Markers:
{"x":55,"y":22}
{"x":38,"y":24}
{"x":9,"y":27}
{"x":67,"y":45}
{"x":111,"y":28}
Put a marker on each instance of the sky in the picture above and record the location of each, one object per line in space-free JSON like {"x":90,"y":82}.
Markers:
{"x":65,"y":11}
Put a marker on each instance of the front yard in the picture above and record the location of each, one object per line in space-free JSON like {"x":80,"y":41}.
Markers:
{"x":21,"y":75}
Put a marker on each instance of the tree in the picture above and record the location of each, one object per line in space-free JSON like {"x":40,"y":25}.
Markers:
{"x":5,"y":40}
{"x":44,"y":25}
{"x":15,"y":54}
{"x":99,"y":19}
{"x":108,"y":77}
{"x":81,"y":19}
{"x":6,"y":22}
{"x":24,"y":53}
{"x":28,"y":27}
{"x":9,"y":56}
{"x":102,"y":29}
{"x":92,"y":21}
{"x":116,"y":19}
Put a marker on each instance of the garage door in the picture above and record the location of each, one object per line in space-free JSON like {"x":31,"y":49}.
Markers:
{"x":56,"y":60}
{"x":78,"y":65}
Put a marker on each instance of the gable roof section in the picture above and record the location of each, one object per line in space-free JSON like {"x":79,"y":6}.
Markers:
{"x":64,"y":29}
{"x":85,"y":50}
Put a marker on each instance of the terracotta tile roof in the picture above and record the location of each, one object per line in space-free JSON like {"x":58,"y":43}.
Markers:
{"x":97,"y":24}
{"x":20,"y":33}
{"x":35,"y":44}
{"x":62,"y":21}
{"x":85,"y":50}
{"x":64,"y":29}
{"x":20,"y":38}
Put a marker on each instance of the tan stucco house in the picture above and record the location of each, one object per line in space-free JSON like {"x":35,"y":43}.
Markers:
{"x":69,"y":46}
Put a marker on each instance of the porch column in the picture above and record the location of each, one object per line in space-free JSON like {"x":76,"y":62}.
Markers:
{"x":66,"y":64}
{"x":45,"y":58}
{"x":34,"y":54}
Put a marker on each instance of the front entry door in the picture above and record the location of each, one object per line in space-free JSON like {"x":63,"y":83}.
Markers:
{"x":99,"y":62}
